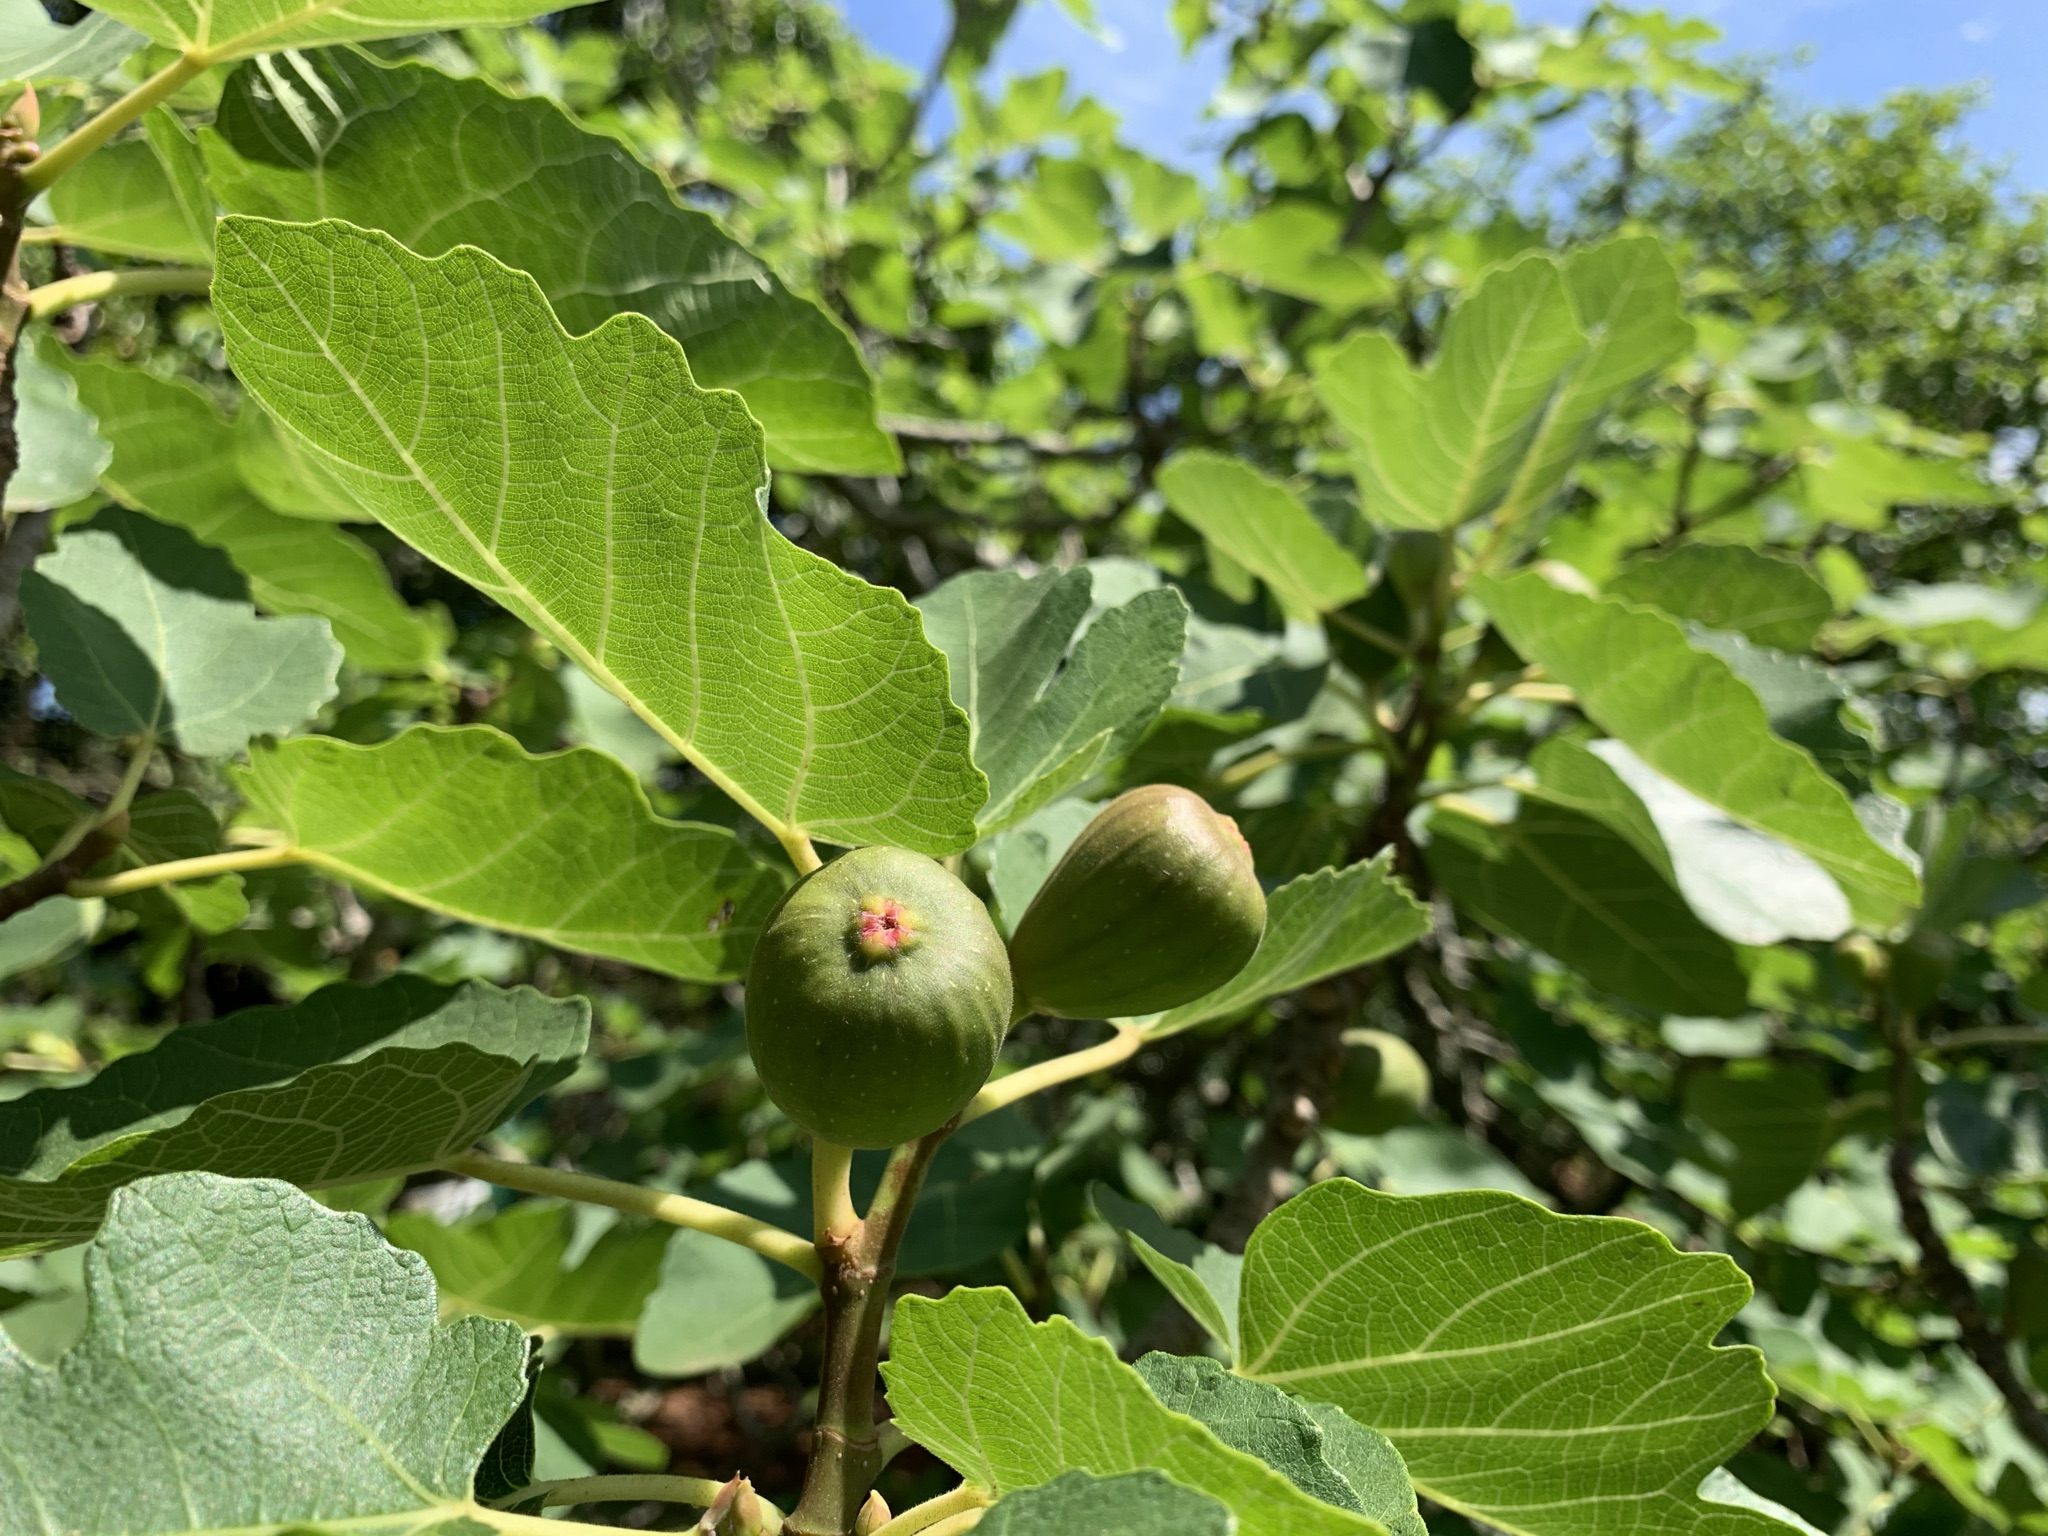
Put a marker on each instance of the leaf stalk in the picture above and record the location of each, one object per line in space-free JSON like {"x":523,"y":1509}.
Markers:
{"x":89,"y":287}
{"x":1004,"y":1091}
{"x":204,"y":867}
{"x":921,"y":1519}
{"x":95,"y":131}
{"x":771,"y":1242}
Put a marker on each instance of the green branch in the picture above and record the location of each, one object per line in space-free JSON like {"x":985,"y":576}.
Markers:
{"x":932,"y":1513}
{"x":771,"y":1242}
{"x":55,"y":298}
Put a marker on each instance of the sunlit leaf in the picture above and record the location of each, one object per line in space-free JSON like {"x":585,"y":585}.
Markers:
{"x":1435,"y":447}
{"x":439,"y":162}
{"x":1263,"y":526}
{"x":62,"y":453}
{"x":230,"y":29}
{"x":1316,"y":926}
{"x":1625,"y":295}
{"x":1012,"y":1404}
{"x":620,"y":512}
{"x":353,"y":1083}
{"x":563,"y":848}
{"x":716,"y":1305}
{"x":1551,"y":1375}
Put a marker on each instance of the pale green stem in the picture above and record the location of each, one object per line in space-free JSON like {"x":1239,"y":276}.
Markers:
{"x":833,"y":1217}
{"x":926,"y":1517}
{"x":204,"y":867}
{"x":958,"y":1525}
{"x":55,"y":298}
{"x":799,"y":849}
{"x":769,"y":1241}
{"x":628,"y":1488}
{"x":91,"y":134}
{"x":1005,"y":1091}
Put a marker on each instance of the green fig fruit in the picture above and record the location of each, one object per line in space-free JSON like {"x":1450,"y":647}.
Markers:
{"x":1155,"y":904}
{"x":1382,"y":1084}
{"x":877,"y":998}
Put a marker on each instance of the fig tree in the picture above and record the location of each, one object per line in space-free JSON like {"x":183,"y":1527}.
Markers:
{"x":1382,"y":1084}
{"x":877,"y":998}
{"x":1155,"y":904}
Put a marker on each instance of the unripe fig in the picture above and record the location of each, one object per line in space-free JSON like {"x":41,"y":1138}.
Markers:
{"x":877,"y":998}
{"x":1382,"y":1084}
{"x":1155,"y":904}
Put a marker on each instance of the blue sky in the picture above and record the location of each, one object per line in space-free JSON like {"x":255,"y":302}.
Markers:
{"x":1861,"y":49}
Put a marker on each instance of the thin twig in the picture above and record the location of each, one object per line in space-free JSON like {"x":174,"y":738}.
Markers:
{"x":769,"y":1241}
{"x":59,"y":875}
{"x":204,"y":867}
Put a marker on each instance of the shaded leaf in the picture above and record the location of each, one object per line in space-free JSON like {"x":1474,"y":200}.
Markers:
{"x":133,"y":640}
{"x":33,"y":47}
{"x":47,"y":932}
{"x":1012,"y":1404}
{"x":1135,"y":1504}
{"x":1374,"y":1469}
{"x":178,"y":459}
{"x":1436,"y":447}
{"x":809,"y":696}
{"x":1777,"y":1118}
{"x":1263,"y":526}
{"x":1771,"y":600}
{"x":253,"y":1361}
{"x":1252,"y":1417}
{"x":354,"y":1083}
{"x":1688,"y":716}
{"x":62,"y":453}
{"x":121,"y":201}
{"x":1316,"y":926}
{"x":1553,"y":1375}
{"x":515,"y":1264}
{"x":438,"y":162}
{"x":716,"y":1305}
{"x":1202,"y":1277}
{"x":563,"y":848}
{"x":1581,"y":892}
{"x":1047,"y":712}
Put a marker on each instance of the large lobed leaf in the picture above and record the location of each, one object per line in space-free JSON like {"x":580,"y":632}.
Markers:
{"x":354,"y":1083}
{"x":1549,"y":1375}
{"x":1048,"y":712}
{"x":1013,"y":1404}
{"x":563,"y":848}
{"x":592,"y":487}
{"x":1435,"y":447}
{"x":1688,"y":716}
{"x":438,"y":162}
{"x":253,"y":1362}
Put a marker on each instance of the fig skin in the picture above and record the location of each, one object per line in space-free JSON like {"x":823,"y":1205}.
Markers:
{"x":1154,"y":905}
{"x":1383,"y":1084}
{"x":877,"y":998}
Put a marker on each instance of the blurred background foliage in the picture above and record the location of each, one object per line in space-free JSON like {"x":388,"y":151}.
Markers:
{"x":1050,"y":315}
